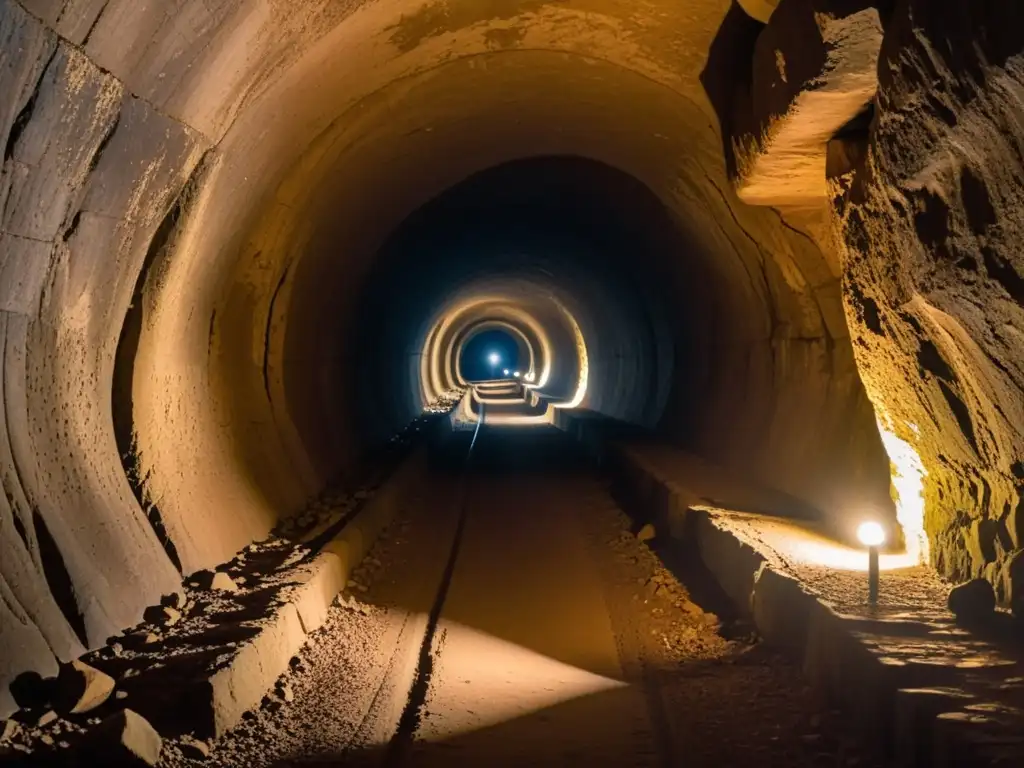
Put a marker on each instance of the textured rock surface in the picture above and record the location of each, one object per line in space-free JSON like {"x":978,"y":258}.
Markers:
{"x":934,"y":277}
{"x":814,"y":70}
{"x":81,"y":688}
{"x":125,"y":740}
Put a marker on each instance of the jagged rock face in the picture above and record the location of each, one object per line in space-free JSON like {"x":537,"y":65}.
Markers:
{"x":814,"y":70}
{"x":934,"y":275}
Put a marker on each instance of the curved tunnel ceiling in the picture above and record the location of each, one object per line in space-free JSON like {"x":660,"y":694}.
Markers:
{"x":302,"y":198}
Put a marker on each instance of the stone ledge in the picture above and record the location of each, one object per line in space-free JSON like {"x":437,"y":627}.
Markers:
{"x":814,"y":70}
{"x":207,"y":655}
{"x":922,"y":690}
{"x":241,"y":684}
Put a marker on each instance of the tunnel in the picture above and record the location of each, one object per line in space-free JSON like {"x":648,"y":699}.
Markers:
{"x":248,"y":244}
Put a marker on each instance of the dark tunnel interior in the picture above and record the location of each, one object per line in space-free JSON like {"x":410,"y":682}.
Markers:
{"x":490,"y":354}
{"x":249,"y":246}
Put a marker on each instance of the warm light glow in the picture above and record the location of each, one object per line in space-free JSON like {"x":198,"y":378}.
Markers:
{"x":493,"y":682}
{"x":584,"y":362}
{"x":530,"y":376}
{"x":908,"y":475}
{"x":799,"y":544}
{"x":871,"y":534}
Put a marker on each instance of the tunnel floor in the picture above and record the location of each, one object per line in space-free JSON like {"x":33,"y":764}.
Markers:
{"x":512,"y":618}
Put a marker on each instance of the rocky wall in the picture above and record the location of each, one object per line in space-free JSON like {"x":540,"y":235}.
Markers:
{"x":934,"y":274}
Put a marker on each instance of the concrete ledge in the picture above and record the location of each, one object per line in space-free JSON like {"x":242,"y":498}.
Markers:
{"x":209,"y":654}
{"x":318,"y":583}
{"x":922,"y":691}
{"x":242,"y":683}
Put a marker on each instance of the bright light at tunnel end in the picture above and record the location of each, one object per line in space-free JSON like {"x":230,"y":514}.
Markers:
{"x":871,"y":534}
{"x":494,"y":358}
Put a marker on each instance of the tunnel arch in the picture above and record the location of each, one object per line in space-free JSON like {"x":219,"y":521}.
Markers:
{"x":236,"y":178}
{"x":525,"y":351}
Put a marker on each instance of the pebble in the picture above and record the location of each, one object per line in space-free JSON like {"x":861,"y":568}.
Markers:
{"x":194,"y":748}
{"x":10,"y":731}
{"x":47,"y":718}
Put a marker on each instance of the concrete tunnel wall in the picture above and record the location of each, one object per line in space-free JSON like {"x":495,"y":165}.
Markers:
{"x":192,"y":198}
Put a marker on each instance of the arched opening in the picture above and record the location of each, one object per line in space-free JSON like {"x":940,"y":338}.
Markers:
{"x":489,"y":354}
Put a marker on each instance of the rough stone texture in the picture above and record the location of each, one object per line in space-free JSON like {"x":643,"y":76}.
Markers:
{"x":81,"y":688}
{"x":223,"y":582}
{"x":125,"y":740}
{"x":923,"y":690}
{"x":814,"y":70}
{"x":85,"y":168}
{"x":934,"y":275}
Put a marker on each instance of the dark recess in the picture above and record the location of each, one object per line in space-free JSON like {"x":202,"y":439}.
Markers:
{"x":58,"y":578}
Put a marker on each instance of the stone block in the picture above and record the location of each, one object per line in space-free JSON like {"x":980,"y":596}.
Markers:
{"x":814,"y":71}
{"x":72,"y":19}
{"x":81,"y":688}
{"x":317,"y":588}
{"x":24,"y":265}
{"x":243,"y":682}
{"x":26,"y":46}
{"x":59,"y":134}
{"x":779,"y":606}
{"x":973,"y":602}
{"x":124,"y":740}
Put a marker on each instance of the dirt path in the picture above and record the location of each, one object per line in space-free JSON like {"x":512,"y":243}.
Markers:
{"x":561,"y":640}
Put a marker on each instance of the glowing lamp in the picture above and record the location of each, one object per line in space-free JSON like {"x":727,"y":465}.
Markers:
{"x":872,"y":536}
{"x":516,"y":374}
{"x":494,"y":358}
{"x":506,"y":371}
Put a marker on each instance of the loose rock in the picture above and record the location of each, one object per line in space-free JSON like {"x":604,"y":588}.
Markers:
{"x":194,"y":748}
{"x":10,"y":731}
{"x":221,"y":581}
{"x":973,"y":601}
{"x":30,"y":690}
{"x":81,"y":688}
{"x":646,"y":533}
{"x":48,"y":717}
{"x":173,"y":600}
{"x":162,"y":614}
{"x":125,"y":739}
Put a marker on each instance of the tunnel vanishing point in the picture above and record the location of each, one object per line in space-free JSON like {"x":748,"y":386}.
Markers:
{"x":242,"y":243}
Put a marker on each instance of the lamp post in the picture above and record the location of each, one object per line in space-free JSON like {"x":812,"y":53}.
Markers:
{"x":872,"y":535}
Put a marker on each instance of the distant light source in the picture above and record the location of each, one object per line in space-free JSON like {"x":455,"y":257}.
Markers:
{"x":872,"y":535}
{"x":516,"y":374}
{"x":494,"y":358}
{"x":506,"y":371}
